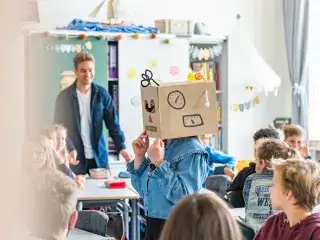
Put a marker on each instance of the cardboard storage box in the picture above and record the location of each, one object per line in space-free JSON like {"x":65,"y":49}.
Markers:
{"x":179,"y":109}
{"x":179,"y":27}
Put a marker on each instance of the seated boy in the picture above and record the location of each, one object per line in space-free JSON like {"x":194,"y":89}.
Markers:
{"x":295,"y":192}
{"x":51,"y":211}
{"x":256,"y":191}
{"x":294,"y":136}
{"x":219,"y":162}
{"x":236,"y":187}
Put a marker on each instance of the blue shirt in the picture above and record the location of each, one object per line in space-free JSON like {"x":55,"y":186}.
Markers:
{"x":220,"y":157}
{"x":183,"y":172}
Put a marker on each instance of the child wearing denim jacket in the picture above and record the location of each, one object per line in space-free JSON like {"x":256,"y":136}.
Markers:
{"x":256,"y":191}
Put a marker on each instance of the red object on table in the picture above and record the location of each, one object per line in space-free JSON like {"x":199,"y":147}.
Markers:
{"x":116,"y":184}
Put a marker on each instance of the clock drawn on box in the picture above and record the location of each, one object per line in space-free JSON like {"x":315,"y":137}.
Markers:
{"x":176,"y":100}
{"x":192,"y":120}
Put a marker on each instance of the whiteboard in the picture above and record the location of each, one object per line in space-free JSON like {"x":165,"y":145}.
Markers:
{"x":168,"y":62}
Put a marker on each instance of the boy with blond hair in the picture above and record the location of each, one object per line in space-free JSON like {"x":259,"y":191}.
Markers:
{"x":256,"y":191}
{"x":295,"y":192}
{"x":51,"y":211}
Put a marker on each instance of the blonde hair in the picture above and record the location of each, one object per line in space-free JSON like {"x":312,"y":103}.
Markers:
{"x":292,"y":130}
{"x":51,"y":131}
{"x":37,"y":154}
{"x":302,"y":178}
{"x":267,"y":149}
{"x":200,"y":216}
{"x":51,"y":202}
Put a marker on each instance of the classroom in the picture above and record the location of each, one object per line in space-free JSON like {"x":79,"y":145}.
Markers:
{"x":166,"y":120}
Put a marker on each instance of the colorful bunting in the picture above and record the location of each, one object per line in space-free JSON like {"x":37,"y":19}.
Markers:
{"x":246,"y":105}
{"x":67,"y":48}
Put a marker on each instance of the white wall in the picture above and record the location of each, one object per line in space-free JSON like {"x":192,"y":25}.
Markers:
{"x":261,"y":19}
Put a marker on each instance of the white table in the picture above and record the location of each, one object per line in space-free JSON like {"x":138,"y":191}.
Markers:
{"x":95,"y":193}
{"x":238,"y":212}
{"x":77,"y":234}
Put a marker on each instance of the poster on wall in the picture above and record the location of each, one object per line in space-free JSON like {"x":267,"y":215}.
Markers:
{"x":67,"y":79}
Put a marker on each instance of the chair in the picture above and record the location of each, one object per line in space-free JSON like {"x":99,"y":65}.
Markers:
{"x":235,"y":199}
{"x":248,"y":232}
{"x":93,"y":221}
{"x":218,"y":184}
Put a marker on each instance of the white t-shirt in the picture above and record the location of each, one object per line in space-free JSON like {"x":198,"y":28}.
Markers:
{"x":84,"y":100}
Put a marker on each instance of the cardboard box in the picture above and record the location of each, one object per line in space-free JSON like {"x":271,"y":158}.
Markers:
{"x":179,"y":109}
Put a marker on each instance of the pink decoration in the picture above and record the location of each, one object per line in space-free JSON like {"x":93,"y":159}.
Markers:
{"x":174,"y":70}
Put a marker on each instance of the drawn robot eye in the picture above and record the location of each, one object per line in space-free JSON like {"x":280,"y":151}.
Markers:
{"x":150,"y":108}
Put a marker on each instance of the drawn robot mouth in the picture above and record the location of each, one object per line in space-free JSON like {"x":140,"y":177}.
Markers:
{"x":150,"y":108}
{"x":193,"y":120}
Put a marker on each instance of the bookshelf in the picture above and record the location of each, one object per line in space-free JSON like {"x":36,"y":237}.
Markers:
{"x":205,"y":63}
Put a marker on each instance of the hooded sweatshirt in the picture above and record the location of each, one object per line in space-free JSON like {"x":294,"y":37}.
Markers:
{"x":277,"y":228}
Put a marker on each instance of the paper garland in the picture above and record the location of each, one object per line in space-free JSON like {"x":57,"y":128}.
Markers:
{"x":246,"y":105}
{"x":67,"y":48}
{"x":205,"y":53}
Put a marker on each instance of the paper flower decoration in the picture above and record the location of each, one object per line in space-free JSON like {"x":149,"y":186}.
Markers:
{"x":101,"y":37}
{"x":153,"y":36}
{"x":167,"y":41}
{"x":119,"y":37}
{"x":83,"y":37}
{"x":136,"y":36}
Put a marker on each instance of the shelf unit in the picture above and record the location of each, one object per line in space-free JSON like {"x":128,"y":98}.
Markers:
{"x":209,"y":68}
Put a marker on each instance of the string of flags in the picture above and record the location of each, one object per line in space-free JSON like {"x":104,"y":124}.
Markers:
{"x":205,"y":53}
{"x":67,"y":48}
{"x":246,"y":105}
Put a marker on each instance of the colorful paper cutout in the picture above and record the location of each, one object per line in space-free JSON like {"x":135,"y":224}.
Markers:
{"x":153,"y":63}
{"x":246,"y":105}
{"x":131,"y":73}
{"x":88,"y":45}
{"x":78,"y":48}
{"x":174,"y":70}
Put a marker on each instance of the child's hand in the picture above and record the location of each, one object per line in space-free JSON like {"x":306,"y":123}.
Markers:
{"x":80,"y":185}
{"x":73,"y":158}
{"x":80,"y":178}
{"x":140,"y":145}
{"x":304,"y":150}
{"x":156,"y":150}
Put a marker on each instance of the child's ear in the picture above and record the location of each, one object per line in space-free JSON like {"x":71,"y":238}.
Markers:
{"x":73,"y":220}
{"x":263,"y":164}
{"x":288,"y":195}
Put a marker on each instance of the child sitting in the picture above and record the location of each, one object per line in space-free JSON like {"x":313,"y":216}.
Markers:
{"x":58,"y":134}
{"x":200,"y":216}
{"x":236,"y":187}
{"x":217,"y":157}
{"x":256,"y":193}
{"x":295,"y":192}
{"x":39,"y":154}
{"x":294,"y":136}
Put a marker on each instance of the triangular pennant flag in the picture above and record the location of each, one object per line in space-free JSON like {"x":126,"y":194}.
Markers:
{"x":97,"y":10}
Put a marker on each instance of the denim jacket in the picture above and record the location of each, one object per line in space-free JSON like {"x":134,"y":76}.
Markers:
{"x":256,"y":195}
{"x":182,"y":173}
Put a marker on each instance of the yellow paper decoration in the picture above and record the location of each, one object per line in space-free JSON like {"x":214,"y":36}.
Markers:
{"x":256,"y":100}
{"x":153,"y":63}
{"x":235,"y":107}
{"x":88,"y":45}
{"x":131,"y":73}
{"x":78,"y":48}
{"x":206,"y":54}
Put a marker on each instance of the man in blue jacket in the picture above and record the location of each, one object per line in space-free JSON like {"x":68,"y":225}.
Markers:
{"x":82,"y":108}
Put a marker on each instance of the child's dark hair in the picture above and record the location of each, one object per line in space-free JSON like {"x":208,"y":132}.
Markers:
{"x":269,"y":133}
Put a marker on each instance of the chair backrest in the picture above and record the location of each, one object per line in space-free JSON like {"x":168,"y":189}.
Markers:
{"x":248,"y":232}
{"x":93,"y":221}
{"x":235,"y":199}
